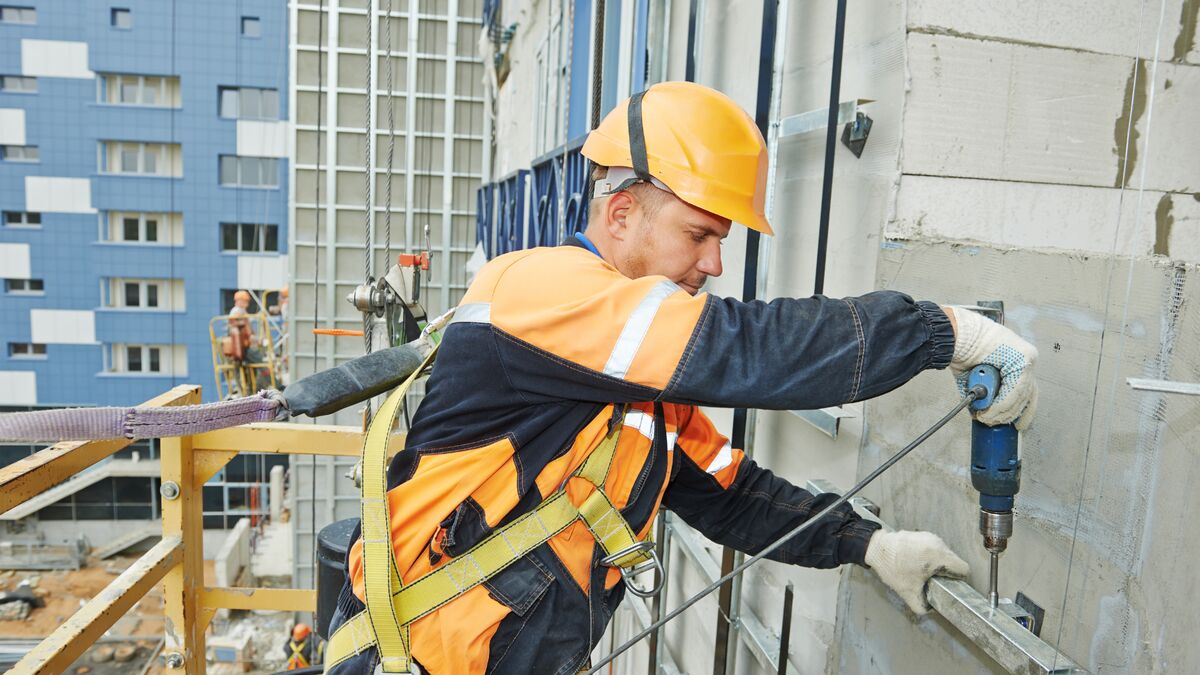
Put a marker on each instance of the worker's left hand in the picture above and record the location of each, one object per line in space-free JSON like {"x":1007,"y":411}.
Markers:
{"x":979,"y":340}
{"x":906,"y":560}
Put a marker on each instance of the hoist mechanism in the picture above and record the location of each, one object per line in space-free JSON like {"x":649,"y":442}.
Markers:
{"x":395,"y":299}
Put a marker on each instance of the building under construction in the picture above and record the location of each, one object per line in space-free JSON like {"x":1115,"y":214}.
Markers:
{"x":1030,"y":165}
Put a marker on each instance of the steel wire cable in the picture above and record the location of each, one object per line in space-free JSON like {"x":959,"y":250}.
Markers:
{"x":979,"y":391}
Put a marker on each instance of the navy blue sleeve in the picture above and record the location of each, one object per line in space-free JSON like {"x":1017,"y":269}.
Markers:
{"x":798,"y":354}
{"x":758,"y":507}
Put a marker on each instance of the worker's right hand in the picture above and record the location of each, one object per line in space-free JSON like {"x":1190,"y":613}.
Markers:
{"x":980,"y":340}
{"x":906,"y":560}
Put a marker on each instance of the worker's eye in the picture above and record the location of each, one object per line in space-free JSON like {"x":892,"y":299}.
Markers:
{"x":699,"y":237}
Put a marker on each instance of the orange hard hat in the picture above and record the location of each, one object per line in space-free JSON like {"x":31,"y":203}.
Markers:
{"x":241,"y":295}
{"x":694,"y":140}
{"x":301,"y":631}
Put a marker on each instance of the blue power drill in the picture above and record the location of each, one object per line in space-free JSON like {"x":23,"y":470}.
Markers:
{"x":995,"y":473}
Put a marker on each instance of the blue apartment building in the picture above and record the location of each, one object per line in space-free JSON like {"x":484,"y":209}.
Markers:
{"x":143,"y":179}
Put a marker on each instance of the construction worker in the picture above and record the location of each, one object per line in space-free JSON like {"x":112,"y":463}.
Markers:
{"x":603,"y":347}
{"x":240,"y":347}
{"x":299,"y":649}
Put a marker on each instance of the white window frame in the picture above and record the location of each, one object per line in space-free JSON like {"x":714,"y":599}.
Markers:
{"x":9,"y":283}
{"x":27,"y":154}
{"x":18,"y":14}
{"x":18,"y":84}
{"x":24,"y":221}
{"x":27,"y":351}
{"x":116,"y":227}
{"x":239,"y":99}
{"x":113,"y":292}
{"x":111,"y":88}
{"x":117,"y":358}
{"x":241,"y":162}
{"x":260,"y":236}
{"x":115,"y":151}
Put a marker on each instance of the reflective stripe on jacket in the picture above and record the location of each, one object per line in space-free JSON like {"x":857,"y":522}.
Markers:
{"x":544,"y":343}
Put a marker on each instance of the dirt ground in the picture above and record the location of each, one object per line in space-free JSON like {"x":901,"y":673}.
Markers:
{"x":64,"y":592}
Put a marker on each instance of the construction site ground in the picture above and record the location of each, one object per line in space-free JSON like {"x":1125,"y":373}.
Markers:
{"x":65,"y":591}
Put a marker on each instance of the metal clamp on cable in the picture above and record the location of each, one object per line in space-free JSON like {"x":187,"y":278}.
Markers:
{"x":632,"y":571}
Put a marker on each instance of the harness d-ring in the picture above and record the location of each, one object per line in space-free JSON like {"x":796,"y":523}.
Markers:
{"x":633,"y":571}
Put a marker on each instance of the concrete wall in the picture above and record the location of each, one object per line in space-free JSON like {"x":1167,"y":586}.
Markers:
{"x":1040,"y":154}
{"x":1018,"y":137}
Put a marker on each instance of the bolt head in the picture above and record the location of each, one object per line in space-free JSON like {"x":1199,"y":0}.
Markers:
{"x":174,"y":660}
{"x":169,"y":490}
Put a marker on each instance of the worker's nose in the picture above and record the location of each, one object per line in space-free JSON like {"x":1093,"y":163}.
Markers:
{"x":710,"y":261}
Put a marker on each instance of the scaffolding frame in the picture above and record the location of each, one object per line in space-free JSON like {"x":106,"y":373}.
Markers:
{"x":187,"y":463}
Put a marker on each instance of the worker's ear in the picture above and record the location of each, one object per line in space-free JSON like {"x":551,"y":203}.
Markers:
{"x":617,"y":211}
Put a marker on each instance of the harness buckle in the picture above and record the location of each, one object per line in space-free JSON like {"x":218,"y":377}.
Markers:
{"x":632,"y":571}
{"x":412,"y":669}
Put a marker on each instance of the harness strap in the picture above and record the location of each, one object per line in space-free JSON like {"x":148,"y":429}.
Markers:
{"x":380,"y":575}
{"x":482,"y":562}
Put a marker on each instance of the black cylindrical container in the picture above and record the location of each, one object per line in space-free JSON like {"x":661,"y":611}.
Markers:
{"x":332,"y":543}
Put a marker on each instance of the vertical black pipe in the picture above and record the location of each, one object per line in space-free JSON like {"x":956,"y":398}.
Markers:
{"x":835,"y":91}
{"x":785,"y":629}
{"x":656,"y":605}
{"x":762,"y":117}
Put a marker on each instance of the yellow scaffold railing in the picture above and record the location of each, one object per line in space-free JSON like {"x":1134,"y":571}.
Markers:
{"x":177,"y":561}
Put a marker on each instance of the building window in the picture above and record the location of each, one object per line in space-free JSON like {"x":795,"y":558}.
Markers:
{"x":145,"y":159}
{"x":143,"y":294}
{"x":143,"y":228}
{"x":249,"y":237}
{"x":19,"y":153}
{"x":144,"y":90}
{"x":11,"y":14}
{"x":248,"y":103}
{"x":24,"y":286}
{"x":136,"y":358}
{"x":22,"y":219}
{"x":18,"y":84}
{"x":26,"y":350}
{"x":251,"y":27}
{"x":249,"y":171}
{"x":122,"y":18}
{"x":164,"y":295}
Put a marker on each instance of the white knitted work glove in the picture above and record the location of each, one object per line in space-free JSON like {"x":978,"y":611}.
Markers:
{"x":981,"y":340}
{"x":905,"y":560}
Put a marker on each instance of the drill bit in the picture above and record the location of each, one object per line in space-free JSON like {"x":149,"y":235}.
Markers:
{"x":994,"y":581}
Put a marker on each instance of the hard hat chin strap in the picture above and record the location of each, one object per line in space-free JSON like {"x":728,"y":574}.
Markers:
{"x":621,"y":178}
{"x":637,"y":138}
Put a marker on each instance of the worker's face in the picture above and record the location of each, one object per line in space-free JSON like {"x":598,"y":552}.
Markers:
{"x":677,"y":241}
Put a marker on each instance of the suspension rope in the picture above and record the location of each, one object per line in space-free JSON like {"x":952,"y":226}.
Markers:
{"x":368,"y":179}
{"x":391,"y":149}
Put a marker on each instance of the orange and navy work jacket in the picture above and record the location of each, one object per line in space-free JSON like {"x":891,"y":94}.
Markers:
{"x":542,"y":347}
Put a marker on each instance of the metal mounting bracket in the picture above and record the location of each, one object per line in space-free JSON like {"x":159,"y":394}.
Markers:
{"x":995,"y":631}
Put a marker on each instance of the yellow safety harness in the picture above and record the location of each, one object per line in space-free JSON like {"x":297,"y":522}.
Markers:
{"x":297,"y":660}
{"x":391,"y":606}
